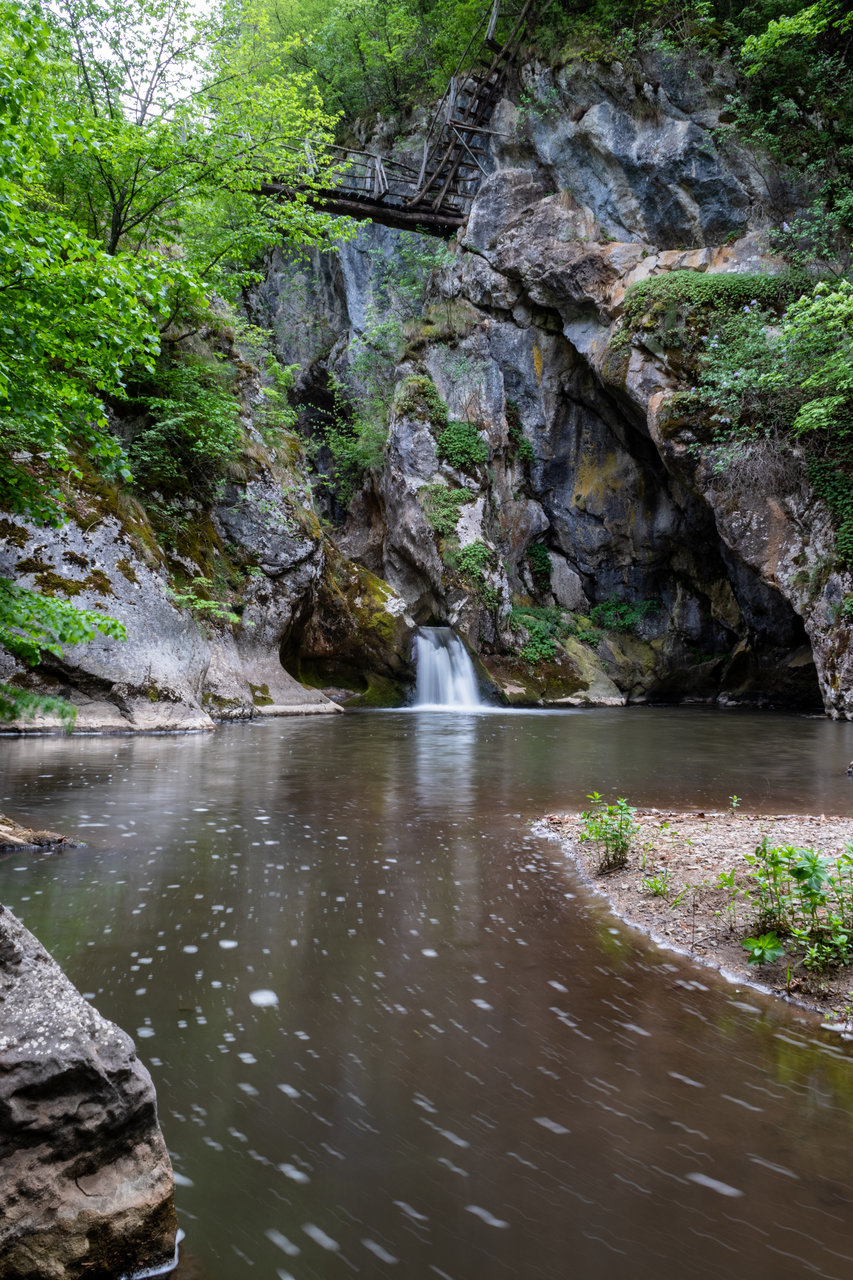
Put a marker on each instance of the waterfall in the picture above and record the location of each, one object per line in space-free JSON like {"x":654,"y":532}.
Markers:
{"x":445,"y":672}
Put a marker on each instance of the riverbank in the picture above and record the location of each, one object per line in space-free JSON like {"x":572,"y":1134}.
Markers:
{"x":13,"y":836}
{"x":670,"y":888}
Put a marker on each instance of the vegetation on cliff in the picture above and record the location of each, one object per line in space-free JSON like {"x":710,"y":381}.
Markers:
{"x":138,"y":143}
{"x":131,"y":163}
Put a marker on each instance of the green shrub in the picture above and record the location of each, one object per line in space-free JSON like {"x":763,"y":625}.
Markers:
{"x":540,"y":565}
{"x":461,"y":444}
{"x":620,"y":615}
{"x":584,"y":630}
{"x":419,"y":398}
{"x":767,"y":385}
{"x":544,"y":627}
{"x":277,"y":416}
{"x":520,"y":446}
{"x":471,"y":560}
{"x":441,"y":506}
{"x":612,"y":827}
{"x":800,"y":895}
{"x":192,"y":429}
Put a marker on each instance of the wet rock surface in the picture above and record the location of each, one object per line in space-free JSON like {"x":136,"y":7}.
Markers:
{"x":180,"y":668}
{"x":87,"y":1182}
{"x":15,"y":836}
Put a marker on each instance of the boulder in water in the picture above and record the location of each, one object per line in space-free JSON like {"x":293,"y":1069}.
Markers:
{"x":87,"y":1182}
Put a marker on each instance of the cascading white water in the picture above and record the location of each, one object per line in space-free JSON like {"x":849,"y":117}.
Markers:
{"x":445,"y":672}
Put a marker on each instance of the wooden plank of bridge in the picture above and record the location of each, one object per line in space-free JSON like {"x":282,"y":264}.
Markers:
{"x":439,"y":193}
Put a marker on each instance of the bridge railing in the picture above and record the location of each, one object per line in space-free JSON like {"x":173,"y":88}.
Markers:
{"x":438,"y":194}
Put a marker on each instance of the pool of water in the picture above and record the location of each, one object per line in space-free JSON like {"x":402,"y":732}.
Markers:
{"x":390,"y":1032}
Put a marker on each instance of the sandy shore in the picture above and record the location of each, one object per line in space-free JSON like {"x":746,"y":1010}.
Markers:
{"x":685,"y":852}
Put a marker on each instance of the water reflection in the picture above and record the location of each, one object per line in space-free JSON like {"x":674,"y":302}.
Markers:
{"x":389,"y":1036}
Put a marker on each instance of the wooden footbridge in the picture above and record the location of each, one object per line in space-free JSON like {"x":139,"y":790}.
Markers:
{"x":436,"y":197}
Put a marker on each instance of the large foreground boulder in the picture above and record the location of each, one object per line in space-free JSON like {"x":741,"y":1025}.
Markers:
{"x":87,"y":1183}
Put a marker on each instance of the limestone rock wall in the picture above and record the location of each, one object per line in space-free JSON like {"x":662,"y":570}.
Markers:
{"x":87,"y":1182}
{"x":599,"y":177}
{"x":179,"y":669}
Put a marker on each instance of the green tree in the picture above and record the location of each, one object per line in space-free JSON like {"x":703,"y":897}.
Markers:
{"x":74,"y":318}
{"x":369,"y":54}
{"x":122,"y":128}
{"x":184,"y":120}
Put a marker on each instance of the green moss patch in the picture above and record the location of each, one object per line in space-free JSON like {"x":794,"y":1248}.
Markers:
{"x":13,"y":533}
{"x":678,"y":308}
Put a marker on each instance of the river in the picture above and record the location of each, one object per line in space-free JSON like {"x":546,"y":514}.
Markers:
{"x":390,"y":1031}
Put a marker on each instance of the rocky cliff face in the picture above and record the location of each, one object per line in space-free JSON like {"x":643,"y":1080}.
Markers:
{"x":586,"y":548}
{"x":602,"y":179}
{"x":257,"y":545}
{"x":87,"y":1183}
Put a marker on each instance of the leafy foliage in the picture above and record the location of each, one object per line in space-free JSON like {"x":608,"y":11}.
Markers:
{"x":32,"y":625}
{"x":658,"y":884}
{"x":470,"y":560}
{"x":612,"y":827}
{"x":442,"y":505}
{"x":678,"y":308}
{"x":192,"y":429}
{"x":807,"y":900}
{"x":125,"y":131}
{"x":622,"y":615}
{"x":540,"y":565}
{"x":461,"y":444}
{"x":74,"y":319}
{"x":369,"y":54}
{"x":419,"y":398}
{"x":790,"y":382}
{"x":196,"y":598}
{"x":765,"y":949}
{"x":174,"y":144}
{"x":543,"y":627}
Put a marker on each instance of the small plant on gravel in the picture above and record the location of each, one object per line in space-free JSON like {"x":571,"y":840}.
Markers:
{"x":612,"y":827}
{"x":764,"y":949}
{"x":726,"y":880}
{"x":734,"y":803}
{"x":802,"y":896}
{"x":658,"y":884}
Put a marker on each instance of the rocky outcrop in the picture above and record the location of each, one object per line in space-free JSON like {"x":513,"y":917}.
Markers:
{"x":590,"y":491}
{"x":603,"y":177}
{"x":256,"y":547}
{"x":87,"y":1183}
{"x":15,"y":836}
{"x":356,"y":645}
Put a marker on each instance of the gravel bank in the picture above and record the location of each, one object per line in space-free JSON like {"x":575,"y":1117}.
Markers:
{"x":686,"y":851}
